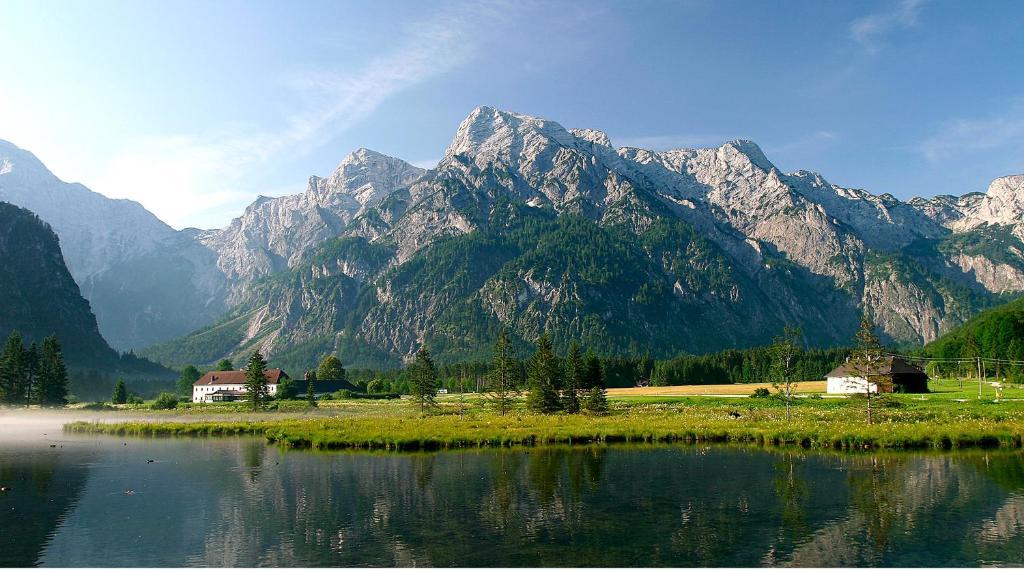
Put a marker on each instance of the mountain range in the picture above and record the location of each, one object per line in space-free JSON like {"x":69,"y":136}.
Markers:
{"x":529,"y":226}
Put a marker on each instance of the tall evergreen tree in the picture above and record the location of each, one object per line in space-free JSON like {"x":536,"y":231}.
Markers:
{"x":120,"y":395}
{"x":53,"y":374}
{"x":574,"y":378}
{"x":597,"y":399}
{"x":256,"y":385}
{"x":544,"y":377}
{"x":423,"y":382}
{"x":12,"y":370}
{"x":330,"y":369}
{"x":501,"y":380}
{"x":310,"y":390}
{"x":189,"y":375}
{"x":1015,"y":352}
{"x":32,"y":375}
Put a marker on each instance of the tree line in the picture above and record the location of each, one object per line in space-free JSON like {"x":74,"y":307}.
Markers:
{"x":33,"y":375}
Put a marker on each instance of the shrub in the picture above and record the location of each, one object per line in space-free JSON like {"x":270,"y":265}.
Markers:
{"x":761,"y":393}
{"x":287,"y":389}
{"x":165,"y":401}
{"x":135,"y":399}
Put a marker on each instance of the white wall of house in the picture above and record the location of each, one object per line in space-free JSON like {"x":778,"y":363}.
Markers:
{"x":849,"y":385}
{"x":201,"y":393}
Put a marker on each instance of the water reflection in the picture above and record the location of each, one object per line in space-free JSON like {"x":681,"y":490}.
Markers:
{"x":240,"y":503}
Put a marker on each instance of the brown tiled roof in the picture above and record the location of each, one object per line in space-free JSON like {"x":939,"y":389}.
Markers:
{"x":274,"y":376}
{"x":883,"y":366}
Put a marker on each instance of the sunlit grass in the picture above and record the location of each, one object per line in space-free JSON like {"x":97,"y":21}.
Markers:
{"x":937,"y":420}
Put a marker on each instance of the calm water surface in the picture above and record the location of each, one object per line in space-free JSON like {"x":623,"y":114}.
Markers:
{"x":238,"y":502}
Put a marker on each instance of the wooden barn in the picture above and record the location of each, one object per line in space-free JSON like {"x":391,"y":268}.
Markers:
{"x":884,"y":375}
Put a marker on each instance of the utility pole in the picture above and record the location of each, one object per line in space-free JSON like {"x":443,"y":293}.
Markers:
{"x":980,"y":373}
{"x":462,"y":383}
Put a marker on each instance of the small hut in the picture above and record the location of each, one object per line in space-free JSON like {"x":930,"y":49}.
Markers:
{"x":882,"y":375}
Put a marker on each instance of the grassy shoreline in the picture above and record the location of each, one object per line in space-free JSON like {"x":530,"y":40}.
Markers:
{"x":904,"y":423}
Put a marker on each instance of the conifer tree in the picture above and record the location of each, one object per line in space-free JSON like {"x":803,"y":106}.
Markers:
{"x":12,"y":370}
{"x":120,"y":395}
{"x":225,"y":365}
{"x":189,"y":375}
{"x":310,"y":390}
{"x":423,"y":383}
{"x":544,"y":378}
{"x":53,"y":374}
{"x":574,"y":379}
{"x":256,"y":385}
{"x":32,"y":375}
{"x":501,"y":381}
{"x":597,"y":400}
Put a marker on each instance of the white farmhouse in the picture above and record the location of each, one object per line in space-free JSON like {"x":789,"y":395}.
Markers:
{"x":223,"y":386}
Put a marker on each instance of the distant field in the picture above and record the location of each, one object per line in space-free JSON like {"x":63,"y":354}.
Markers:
{"x":806,"y":387}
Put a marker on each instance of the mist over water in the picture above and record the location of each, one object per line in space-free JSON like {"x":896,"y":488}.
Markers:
{"x":107,"y":501}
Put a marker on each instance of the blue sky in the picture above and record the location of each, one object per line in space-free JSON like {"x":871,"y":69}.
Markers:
{"x":194,"y":108}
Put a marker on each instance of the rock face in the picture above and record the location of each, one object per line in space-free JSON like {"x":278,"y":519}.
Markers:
{"x":274,"y":233}
{"x":528,"y":226}
{"x":40,"y":298}
{"x":146,"y":281}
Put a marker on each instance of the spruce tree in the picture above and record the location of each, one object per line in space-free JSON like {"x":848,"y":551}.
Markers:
{"x":120,"y":395}
{"x":53,"y":374}
{"x":423,"y":383}
{"x":310,"y":390}
{"x":574,"y":379}
{"x":501,"y":381}
{"x":256,"y":385}
{"x":597,"y":400}
{"x":189,"y":375}
{"x":32,"y":375}
{"x":544,"y":378}
{"x":13,"y":371}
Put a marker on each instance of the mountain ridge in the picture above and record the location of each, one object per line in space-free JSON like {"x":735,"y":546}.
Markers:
{"x":788,"y":241}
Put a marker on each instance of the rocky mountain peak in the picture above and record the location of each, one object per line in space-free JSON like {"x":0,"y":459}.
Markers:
{"x":738,"y":151}
{"x":487,"y":133}
{"x":16,"y":162}
{"x":365,"y":176}
{"x":592,"y":135}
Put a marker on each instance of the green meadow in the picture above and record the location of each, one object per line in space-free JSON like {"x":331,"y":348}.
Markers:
{"x":950,"y":416}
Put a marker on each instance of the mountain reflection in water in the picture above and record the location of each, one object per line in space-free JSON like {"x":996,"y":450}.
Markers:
{"x":238,"y":502}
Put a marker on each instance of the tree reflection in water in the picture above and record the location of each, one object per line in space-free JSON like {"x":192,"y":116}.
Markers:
{"x":584,"y":506}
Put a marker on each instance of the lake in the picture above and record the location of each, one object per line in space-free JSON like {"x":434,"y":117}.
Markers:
{"x":100,"y":501}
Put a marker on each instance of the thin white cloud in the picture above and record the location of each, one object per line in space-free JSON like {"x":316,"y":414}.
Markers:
{"x":199,"y":179}
{"x":869,"y":31}
{"x":807,"y":143}
{"x":1003,"y":132}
